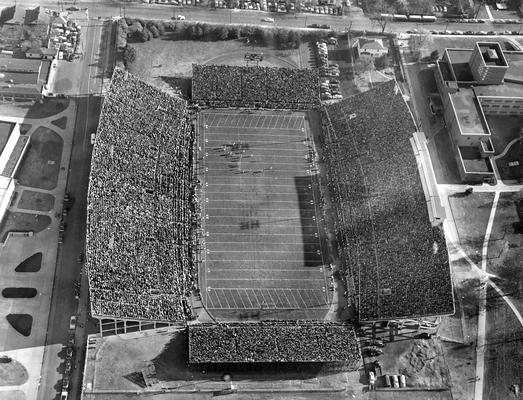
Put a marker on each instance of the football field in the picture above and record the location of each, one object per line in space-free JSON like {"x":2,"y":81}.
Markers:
{"x":263,"y":255}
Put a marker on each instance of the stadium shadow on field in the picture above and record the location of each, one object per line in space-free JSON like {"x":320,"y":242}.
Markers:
{"x":311,"y":242}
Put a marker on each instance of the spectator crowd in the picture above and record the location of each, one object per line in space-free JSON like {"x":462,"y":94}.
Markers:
{"x":261,"y":87}
{"x":396,"y":262}
{"x":272,"y":341}
{"x":141,"y":217}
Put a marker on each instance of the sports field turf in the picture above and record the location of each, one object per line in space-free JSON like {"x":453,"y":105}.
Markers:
{"x":262,"y":255}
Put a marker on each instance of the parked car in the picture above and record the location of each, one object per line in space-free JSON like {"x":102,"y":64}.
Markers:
{"x":72,"y":322}
{"x":68,"y":366}
{"x":69,"y":352}
{"x":372,"y":351}
{"x":180,"y":17}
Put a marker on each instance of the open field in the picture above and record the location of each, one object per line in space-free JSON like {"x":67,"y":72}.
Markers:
{"x":471,"y":214}
{"x":504,"y":350}
{"x":151,"y":65}
{"x":263,"y":251}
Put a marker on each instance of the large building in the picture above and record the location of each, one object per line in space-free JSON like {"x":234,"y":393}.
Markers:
{"x":12,"y":148}
{"x":22,"y":78}
{"x":475,"y":83}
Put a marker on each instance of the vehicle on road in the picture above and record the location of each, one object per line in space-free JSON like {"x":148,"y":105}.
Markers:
{"x":64,"y":396}
{"x":72,"y":8}
{"x":180,"y":17}
{"x":268,"y":19}
{"x":372,"y":351}
{"x":68,"y":366}
{"x":72,"y":322}
{"x":93,"y":138}
{"x":373,"y":342}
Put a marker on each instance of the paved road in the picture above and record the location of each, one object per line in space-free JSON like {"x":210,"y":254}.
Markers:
{"x":63,"y":303}
{"x":355,"y":19}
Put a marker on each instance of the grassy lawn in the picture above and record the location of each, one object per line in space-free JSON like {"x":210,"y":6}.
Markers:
{"x":36,"y":201}
{"x":22,"y":323}
{"x":60,"y":122}
{"x":505,"y":250}
{"x":30,"y":264}
{"x":504,"y":352}
{"x":23,"y":222}
{"x":471,"y":214}
{"x":47,"y":108}
{"x":12,"y":373}
{"x":41,"y":164}
{"x":160,"y":60}
{"x":507,"y":172}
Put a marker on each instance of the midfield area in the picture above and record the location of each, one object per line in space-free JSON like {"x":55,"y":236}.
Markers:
{"x":262,"y":241}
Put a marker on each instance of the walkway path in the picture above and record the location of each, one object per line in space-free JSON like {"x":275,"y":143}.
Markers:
{"x":482,"y":317}
{"x":507,"y":148}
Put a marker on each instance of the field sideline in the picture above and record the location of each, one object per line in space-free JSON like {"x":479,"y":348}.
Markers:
{"x":262,"y":250}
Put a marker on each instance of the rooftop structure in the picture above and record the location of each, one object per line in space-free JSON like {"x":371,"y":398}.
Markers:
{"x":23,"y":78}
{"x":474,"y":83}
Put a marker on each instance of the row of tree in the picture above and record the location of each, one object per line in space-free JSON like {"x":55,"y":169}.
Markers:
{"x":142,"y":31}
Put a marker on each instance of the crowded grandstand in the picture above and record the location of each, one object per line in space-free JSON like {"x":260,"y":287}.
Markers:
{"x":272,"y":341}
{"x":225,"y":86}
{"x":396,"y":262}
{"x":141,"y":216}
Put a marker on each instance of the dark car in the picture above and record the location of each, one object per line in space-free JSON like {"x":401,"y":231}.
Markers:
{"x":373,"y":342}
{"x":314,"y":26}
{"x":372,"y":351}
{"x":324,"y":26}
{"x":72,"y":8}
{"x":423,"y":335}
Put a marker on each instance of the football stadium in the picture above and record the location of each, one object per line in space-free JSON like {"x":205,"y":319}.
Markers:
{"x":211,"y":214}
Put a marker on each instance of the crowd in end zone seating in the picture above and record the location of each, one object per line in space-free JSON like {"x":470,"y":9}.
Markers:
{"x":396,"y":261}
{"x":262,"y":87}
{"x":142,"y":220}
{"x":272,"y":341}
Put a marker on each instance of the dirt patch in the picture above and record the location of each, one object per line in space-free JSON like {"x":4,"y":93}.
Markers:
{"x":12,"y":372}
{"x":60,"y":122}
{"x":19,"y":293}
{"x":23,"y":222}
{"x":31,"y":200}
{"x":41,"y":164}
{"x":150,"y":62}
{"x":30,"y":264}
{"x":424,"y":365}
{"x":22,"y":323}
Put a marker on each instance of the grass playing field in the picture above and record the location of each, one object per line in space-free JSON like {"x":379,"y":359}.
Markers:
{"x":263,"y":256}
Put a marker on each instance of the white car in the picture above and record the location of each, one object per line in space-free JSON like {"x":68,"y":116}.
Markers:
{"x":93,"y":138}
{"x":72,"y":322}
{"x":180,"y":17}
{"x":268,"y":19}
